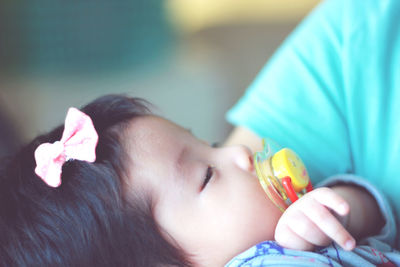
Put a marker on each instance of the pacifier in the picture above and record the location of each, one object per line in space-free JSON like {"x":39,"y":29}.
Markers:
{"x":282,"y":174}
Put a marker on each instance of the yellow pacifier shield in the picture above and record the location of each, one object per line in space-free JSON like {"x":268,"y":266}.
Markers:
{"x":286,"y":163}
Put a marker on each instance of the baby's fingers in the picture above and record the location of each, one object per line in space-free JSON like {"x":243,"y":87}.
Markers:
{"x":288,"y":238}
{"x":296,"y":231}
{"x":332,"y":200}
{"x":326,"y":221}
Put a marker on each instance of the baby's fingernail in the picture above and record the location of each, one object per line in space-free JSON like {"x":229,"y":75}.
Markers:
{"x":350,"y":244}
{"x":342,"y":208}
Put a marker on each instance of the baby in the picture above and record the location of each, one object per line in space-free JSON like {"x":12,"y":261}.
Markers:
{"x":118,"y":186}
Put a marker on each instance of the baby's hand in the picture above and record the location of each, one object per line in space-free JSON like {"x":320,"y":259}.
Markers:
{"x":308,"y":222}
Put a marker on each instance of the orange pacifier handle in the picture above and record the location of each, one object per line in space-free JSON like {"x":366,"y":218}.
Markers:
{"x":288,"y":186}
{"x":282,"y":175}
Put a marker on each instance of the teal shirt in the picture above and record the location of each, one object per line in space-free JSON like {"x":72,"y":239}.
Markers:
{"x":332,"y":93}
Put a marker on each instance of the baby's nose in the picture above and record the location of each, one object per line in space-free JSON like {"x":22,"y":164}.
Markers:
{"x":244,"y":158}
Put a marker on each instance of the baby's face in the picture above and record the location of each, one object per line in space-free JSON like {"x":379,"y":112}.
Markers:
{"x":207,"y":199}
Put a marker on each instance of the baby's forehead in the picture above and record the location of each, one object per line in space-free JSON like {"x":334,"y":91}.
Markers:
{"x":154,"y":146}
{"x":152,"y":134}
{"x":151,"y":126}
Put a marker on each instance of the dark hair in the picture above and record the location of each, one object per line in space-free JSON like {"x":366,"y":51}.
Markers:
{"x":88,"y":220}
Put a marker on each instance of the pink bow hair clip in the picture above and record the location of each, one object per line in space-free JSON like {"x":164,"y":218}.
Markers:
{"x":78,"y":141}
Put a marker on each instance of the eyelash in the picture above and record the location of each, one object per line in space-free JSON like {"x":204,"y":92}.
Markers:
{"x":208,"y":176}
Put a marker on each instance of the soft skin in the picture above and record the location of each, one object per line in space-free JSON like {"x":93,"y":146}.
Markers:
{"x":230,"y":214}
{"x":215,"y":221}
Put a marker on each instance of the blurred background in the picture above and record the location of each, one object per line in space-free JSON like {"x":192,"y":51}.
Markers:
{"x":191,"y":58}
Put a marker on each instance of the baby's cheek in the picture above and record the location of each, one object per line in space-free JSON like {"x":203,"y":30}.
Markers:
{"x":259,"y":222}
{"x":265,"y":216}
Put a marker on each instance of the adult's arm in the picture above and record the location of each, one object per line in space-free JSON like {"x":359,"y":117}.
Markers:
{"x":365,"y":218}
{"x":297,"y":98}
{"x":331,"y":93}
